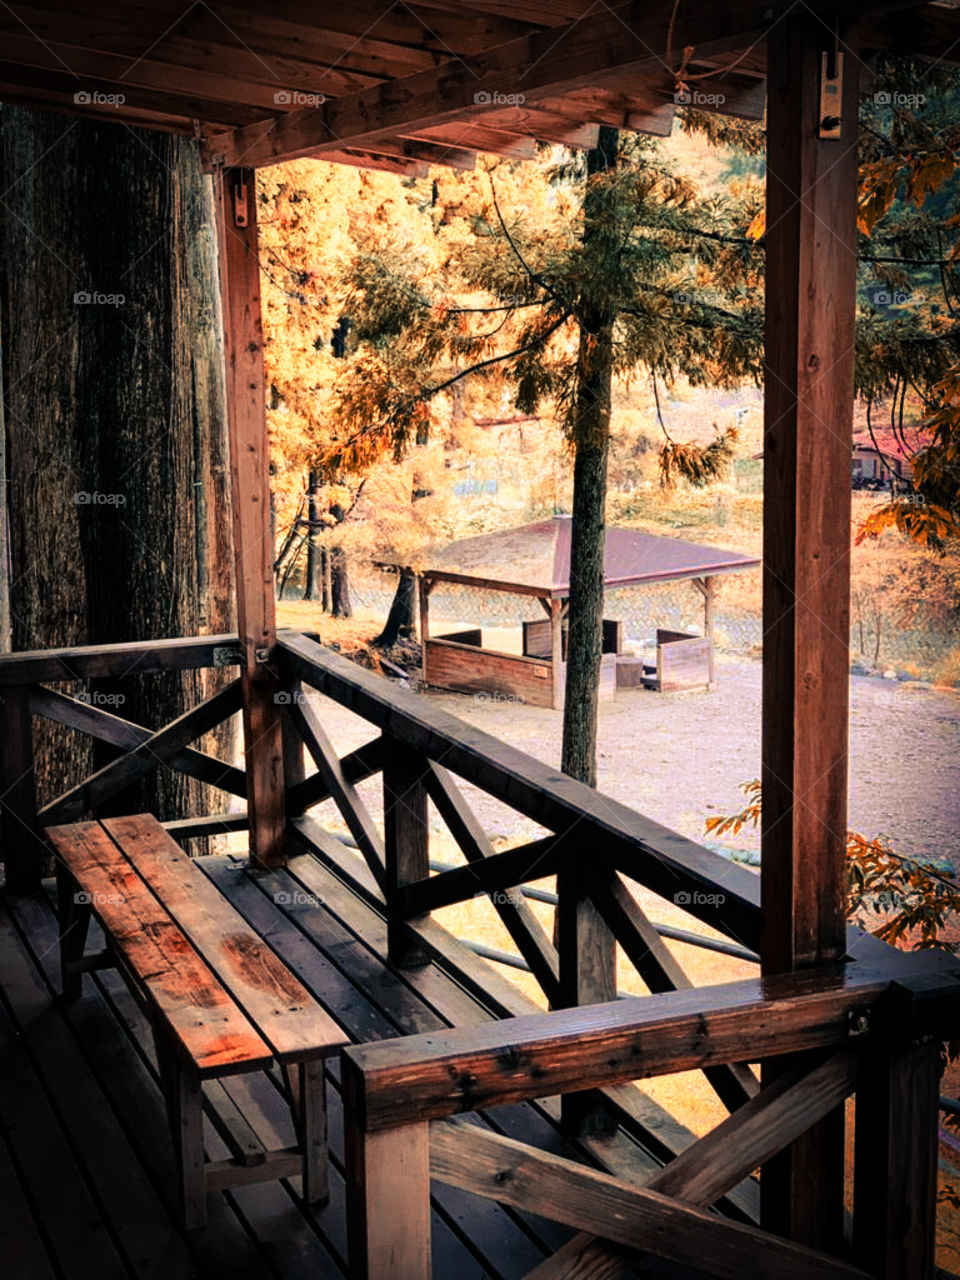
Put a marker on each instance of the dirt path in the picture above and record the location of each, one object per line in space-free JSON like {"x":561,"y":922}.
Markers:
{"x":679,"y":758}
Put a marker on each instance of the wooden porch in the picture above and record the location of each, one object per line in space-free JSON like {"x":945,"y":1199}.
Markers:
{"x":571,"y":1170}
{"x":551,"y":1166}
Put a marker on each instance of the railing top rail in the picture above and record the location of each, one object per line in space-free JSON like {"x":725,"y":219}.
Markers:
{"x":97,"y":661}
{"x":665,"y":861}
{"x":439,"y":1074}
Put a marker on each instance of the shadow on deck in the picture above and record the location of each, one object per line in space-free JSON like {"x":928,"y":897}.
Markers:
{"x":87,"y":1173}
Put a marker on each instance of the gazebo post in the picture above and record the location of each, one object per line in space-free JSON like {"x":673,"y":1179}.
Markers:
{"x":811,"y":271}
{"x":424,"y":585}
{"x":250,"y":501}
{"x":556,"y":651}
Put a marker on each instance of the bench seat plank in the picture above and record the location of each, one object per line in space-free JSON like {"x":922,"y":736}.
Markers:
{"x":273,"y":998}
{"x":212,"y":1029}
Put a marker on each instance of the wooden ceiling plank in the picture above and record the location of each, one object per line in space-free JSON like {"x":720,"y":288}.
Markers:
{"x":118,"y":70}
{"x":546,"y":61}
{"x":63,"y":87}
{"x":15,"y":96}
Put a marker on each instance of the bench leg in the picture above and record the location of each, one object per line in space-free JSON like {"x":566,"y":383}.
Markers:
{"x":73,"y":911}
{"x":184,"y":1098}
{"x":305,"y":1082}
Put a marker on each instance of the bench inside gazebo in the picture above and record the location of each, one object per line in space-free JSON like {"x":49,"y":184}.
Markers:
{"x":169,"y":1028}
{"x":533,"y":561}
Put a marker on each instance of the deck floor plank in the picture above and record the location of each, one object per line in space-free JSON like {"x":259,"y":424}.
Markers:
{"x":335,"y":941}
{"x":116,"y":1040}
{"x":499,"y":1236}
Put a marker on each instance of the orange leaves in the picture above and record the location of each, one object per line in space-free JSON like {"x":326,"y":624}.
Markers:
{"x":922,"y":174}
{"x":757,"y":228}
{"x":928,"y":173}
{"x":922,"y":524}
{"x":879,"y":181}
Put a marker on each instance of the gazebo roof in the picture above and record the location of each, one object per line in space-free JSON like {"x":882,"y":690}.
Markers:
{"x":535,"y":559}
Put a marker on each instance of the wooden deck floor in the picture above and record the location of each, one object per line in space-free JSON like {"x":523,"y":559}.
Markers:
{"x":87,"y":1183}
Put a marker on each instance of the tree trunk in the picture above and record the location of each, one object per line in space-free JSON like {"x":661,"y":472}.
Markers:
{"x":591,"y":450}
{"x":339,"y":583}
{"x":117,"y":453}
{"x":400,"y":618}
{"x":313,"y":586}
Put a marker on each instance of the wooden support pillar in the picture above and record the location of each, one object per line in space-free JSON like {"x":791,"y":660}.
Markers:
{"x":22,"y":847}
{"x":387,"y":1176}
{"x":895,"y":1180}
{"x":808,"y":417}
{"x":406,"y":842}
{"x":556,"y":651}
{"x":424,"y":588}
{"x":250,"y":499}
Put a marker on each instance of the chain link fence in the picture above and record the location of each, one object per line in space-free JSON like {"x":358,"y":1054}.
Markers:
{"x":675,"y":606}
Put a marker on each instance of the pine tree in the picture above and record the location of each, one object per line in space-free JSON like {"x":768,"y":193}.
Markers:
{"x":622,"y":272}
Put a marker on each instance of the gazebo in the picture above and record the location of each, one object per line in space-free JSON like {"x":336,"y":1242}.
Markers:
{"x":534,"y":560}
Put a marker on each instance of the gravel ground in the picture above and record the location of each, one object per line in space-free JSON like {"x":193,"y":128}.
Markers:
{"x":678,"y":758}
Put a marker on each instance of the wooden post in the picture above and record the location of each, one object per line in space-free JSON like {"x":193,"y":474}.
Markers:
{"x":556,"y":650}
{"x":406,"y":841}
{"x":424,"y":586}
{"x":23,"y":848}
{"x":587,"y":955}
{"x":708,"y":589}
{"x":387,"y":1178}
{"x":808,"y":421}
{"x":252,"y":529}
{"x":895,"y":1178}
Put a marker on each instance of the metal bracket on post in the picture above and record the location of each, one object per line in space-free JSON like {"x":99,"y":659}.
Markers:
{"x":831,"y":95}
{"x":240,"y":212}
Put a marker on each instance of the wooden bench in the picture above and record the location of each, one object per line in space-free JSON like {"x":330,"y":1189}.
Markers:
{"x":219,"y":1000}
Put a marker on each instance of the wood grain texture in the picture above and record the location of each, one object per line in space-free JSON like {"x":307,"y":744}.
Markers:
{"x":272,"y":997}
{"x":516,"y":1174}
{"x":192,"y":1003}
{"x":252,"y":525}
{"x":533,"y":1056}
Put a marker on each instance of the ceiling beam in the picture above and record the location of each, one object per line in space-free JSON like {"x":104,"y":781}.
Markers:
{"x":439,"y":153}
{"x":547,"y":126}
{"x":479,"y":137}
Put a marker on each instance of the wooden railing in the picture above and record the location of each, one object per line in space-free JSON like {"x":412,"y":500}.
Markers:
{"x":870,"y":1031}
{"x":595,"y":847}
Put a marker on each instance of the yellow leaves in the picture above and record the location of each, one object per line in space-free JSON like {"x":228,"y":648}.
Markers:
{"x":758,"y":226}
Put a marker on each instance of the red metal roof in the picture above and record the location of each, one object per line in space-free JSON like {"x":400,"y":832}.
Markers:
{"x":538,"y":556}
